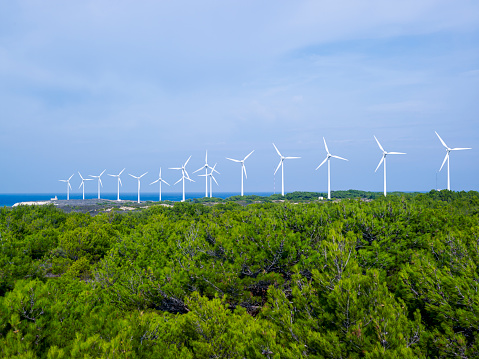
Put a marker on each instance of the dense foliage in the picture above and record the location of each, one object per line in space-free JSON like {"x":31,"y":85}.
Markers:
{"x":395,"y":277}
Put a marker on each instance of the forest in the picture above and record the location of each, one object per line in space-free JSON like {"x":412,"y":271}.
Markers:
{"x":393,"y":277}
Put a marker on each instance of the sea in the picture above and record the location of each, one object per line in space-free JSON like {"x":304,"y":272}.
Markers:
{"x":9,"y":199}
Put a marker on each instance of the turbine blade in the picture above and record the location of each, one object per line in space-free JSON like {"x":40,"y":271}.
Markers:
{"x":164,"y":182}
{"x":143,"y":174}
{"x":113,"y":175}
{"x":460,"y":149}
{"x":322,"y":163}
{"x":175,"y":168}
{"x":277,"y":168}
{"x":186,"y":161}
{"x":154,"y":182}
{"x":204,"y":175}
{"x":277,"y":150}
{"x":381,"y":147}
{"x":326,"y":146}
{"x":382,"y":159}
{"x":71,"y":177}
{"x":199,"y":169}
{"x":339,"y":158}
{"x":119,"y":180}
{"x":206,"y":157}
{"x":244,"y":170}
{"x":99,"y":179}
{"x":101,"y":174}
{"x":443,"y":162}
{"x":214,"y":179}
{"x":249,"y":154}
{"x":69,"y":185}
{"x":178,"y":180}
{"x":80,"y":175}
{"x":232,"y":159}
{"x":132,"y":175}
{"x":81,"y":184}
{"x":187,"y":175}
{"x":440,"y":139}
{"x":63,"y":180}
{"x":291,"y":158}
{"x":396,"y":153}
{"x":121,"y":171}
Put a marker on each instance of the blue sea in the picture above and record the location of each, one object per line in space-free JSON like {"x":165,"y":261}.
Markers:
{"x":9,"y":199}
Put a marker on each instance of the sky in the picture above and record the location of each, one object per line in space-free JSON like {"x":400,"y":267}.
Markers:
{"x":93,"y":85}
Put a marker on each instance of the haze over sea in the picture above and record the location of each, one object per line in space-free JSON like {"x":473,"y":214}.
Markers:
{"x":9,"y":199}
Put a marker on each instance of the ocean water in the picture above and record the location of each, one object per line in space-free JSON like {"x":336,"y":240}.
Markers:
{"x":9,"y":199}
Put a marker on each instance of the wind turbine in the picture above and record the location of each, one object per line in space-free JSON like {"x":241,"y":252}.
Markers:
{"x":82,"y":184}
{"x":243,"y":168}
{"x":328,"y":156}
{"x":138,"y":178}
{"x":68,"y":186}
{"x":383,"y":159}
{"x":212,"y":177}
{"x":119,"y":183}
{"x":183,"y":177}
{"x":205,"y":166}
{"x":447,"y":158}
{"x":159,"y":180}
{"x":99,"y":182}
{"x":282,"y":158}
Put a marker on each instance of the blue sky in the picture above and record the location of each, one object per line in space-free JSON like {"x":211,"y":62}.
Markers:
{"x":99,"y":84}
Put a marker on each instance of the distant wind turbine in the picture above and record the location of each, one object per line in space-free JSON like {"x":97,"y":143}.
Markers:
{"x":159,"y":180}
{"x":99,"y":182}
{"x":82,"y":184}
{"x":138,"y":178}
{"x":119,"y":183}
{"x":205,"y":166}
{"x":383,"y":159}
{"x":212,"y":177}
{"x":243,"y":168}
{"x":328,"y":156}
{"x":281,"y":160}
{"x":68,"y":186}
{"x":184,"y":175}
{"x":447,"y":158}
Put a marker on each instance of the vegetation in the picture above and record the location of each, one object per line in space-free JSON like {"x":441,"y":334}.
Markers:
{"x":394,"y":277}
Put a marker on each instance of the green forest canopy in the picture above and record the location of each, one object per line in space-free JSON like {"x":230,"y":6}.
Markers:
{"x":394,"y":277}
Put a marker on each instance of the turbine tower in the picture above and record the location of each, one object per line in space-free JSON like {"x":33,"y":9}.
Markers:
{"x":159,"y":180}
{"x":99,"y":182}
{"x":205,"y":166}
{"x":383,"y":159}
{"x":212,"y":178}
{"x":243,"y":168}
{"x":282,"y":158}
{"x":447,"y":158}
{"x":183,"y":177}
{"x":82,"y":184}
{"x":119,"y":183}
{"x":328,"y":156}
{"x":68,"y":186}
{"x":138,"y":178}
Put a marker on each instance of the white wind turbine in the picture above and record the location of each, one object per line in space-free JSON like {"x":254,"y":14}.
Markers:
{"x":183,"y":177}
{"x":82,"y":184}
{"x":282,"y":158}
{"x":212,"y":177}
{"x":99,"y":182}
{"x":205,"y":166}
{"x":138,"y":178}
{"x":159,"y":180}
{"x":119,"y":183}
{"x":243,"y":168}
{"x":328,"y":156}
{"x":68,"y":186}
{"x":383,"y":159}
{"x":447,"y":158}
